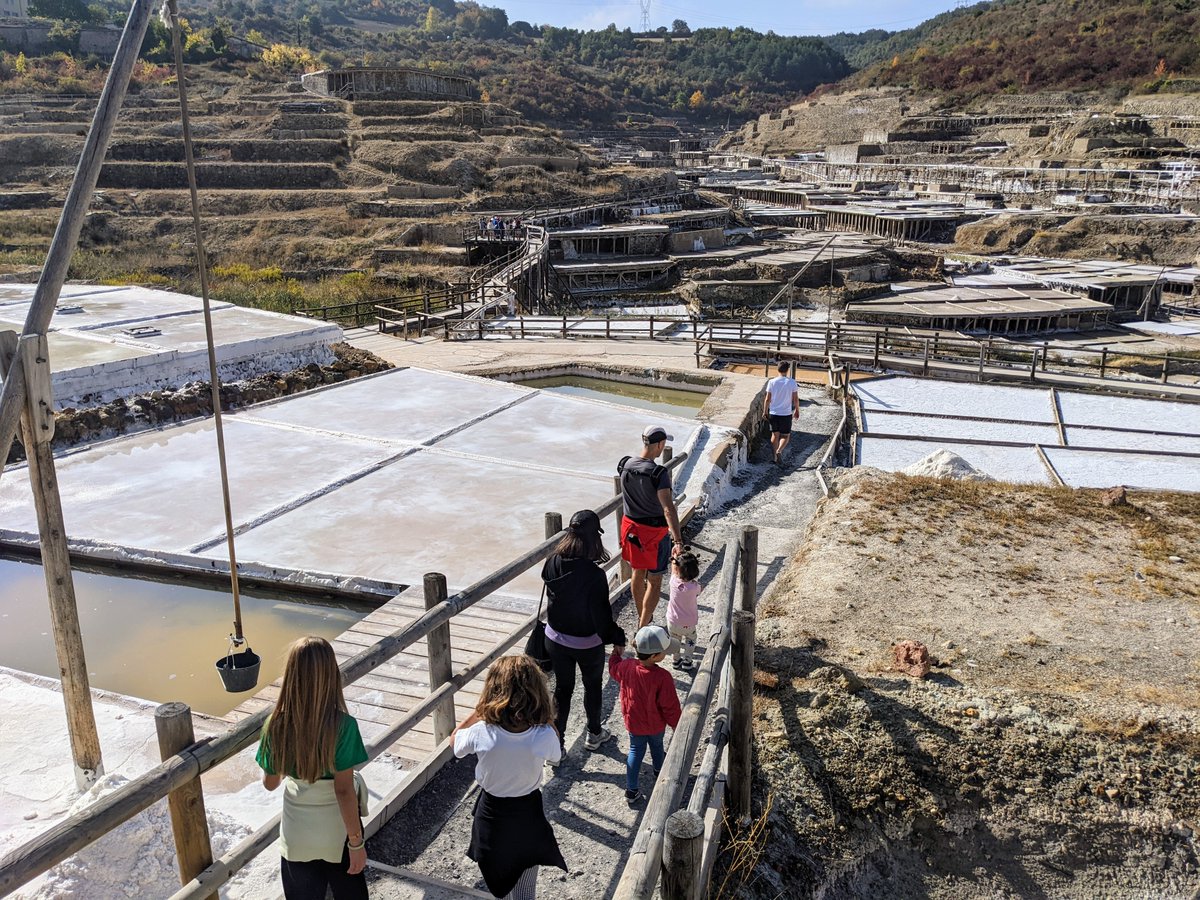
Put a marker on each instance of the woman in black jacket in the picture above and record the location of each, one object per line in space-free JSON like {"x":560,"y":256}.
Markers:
{"x":579,"y":622}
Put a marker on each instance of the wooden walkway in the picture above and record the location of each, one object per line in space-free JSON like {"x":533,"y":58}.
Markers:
{"x":383,"y":697}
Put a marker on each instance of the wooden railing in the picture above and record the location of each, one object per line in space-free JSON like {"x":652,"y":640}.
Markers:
{"x":182,"y":770}
{"x":875,"y":347}
{"x":672,"y":838}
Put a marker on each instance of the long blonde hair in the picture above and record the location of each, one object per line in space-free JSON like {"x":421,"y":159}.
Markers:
{"x":515,"y":695}
{"x":303,"y":731}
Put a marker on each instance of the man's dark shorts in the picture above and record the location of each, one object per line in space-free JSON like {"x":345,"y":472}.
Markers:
{"x":781,"y":424}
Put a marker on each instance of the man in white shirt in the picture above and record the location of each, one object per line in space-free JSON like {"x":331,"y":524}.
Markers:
{"x":781,"y":405}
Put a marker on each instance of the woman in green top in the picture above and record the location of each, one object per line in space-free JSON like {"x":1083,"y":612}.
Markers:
{"x":313,"y":740}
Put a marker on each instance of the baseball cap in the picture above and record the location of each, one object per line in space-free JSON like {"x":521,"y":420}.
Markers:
{"x":586,"y":520}
{"x":654,"y":639}
{"x":652,"y":434}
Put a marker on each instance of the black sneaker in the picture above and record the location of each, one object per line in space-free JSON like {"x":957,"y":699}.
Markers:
{"x":633,"y":798}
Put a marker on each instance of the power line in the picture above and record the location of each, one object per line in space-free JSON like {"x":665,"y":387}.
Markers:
{"x":645,"y":16}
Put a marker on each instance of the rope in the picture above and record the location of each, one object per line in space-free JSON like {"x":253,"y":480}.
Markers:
{"x":202,"y":265}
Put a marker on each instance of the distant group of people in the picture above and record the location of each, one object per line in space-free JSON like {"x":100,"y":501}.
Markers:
{"x":497,"y":228}
{"x":518,"y":725}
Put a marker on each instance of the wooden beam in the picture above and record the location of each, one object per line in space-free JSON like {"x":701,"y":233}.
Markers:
{"x":75,"y":209}
{"x":36,"y":429}
{"x":189,"y":824}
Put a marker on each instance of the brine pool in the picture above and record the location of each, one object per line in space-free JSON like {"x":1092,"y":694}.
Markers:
{"x":671,"y":401}
{"x":159,"y":639}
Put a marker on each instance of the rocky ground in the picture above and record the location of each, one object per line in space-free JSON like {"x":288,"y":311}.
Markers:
{"x":585,"y":797}
{"x":129,"y":414}
{"x":1051,"y":750}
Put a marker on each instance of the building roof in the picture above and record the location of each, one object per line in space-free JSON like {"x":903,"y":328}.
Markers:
{"x":968,"y":302}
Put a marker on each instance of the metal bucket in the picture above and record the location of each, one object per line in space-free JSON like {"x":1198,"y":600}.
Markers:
{"x":239,"y":671}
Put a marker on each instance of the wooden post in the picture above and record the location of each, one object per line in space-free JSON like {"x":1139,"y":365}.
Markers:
{"x":1166,"y":364}
{"x":608,"y":327}
{"x":553,"y":524}
{"x":875,"y":357}
{"x":683,"y":852}
{"x":1045,"y":353}
{"x":741,"y":696}
{"x":741,"y":701}
{"x":1103,"y":360}
{"x":982,"y":353}
{"x":481,"y":323}
{"x":668,"y":454}
{"x":748,"y":598}
{"x":925,"y":361}
{"x":441,"y":669}
{"x":652,"y":328}
{"x":1033,"y":365}
{"x":522,"y":321}
{"x":37,"y":429}
{"x":189,"y":824}
{"x":626,"y":569}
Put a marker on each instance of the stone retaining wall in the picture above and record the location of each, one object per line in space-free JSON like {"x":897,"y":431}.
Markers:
{"x":238,"y":150}
{"x":246,"y":176}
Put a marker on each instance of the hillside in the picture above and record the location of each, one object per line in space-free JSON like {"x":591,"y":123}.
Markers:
{"x":559,"y":75}
{"x":1024,"y":46}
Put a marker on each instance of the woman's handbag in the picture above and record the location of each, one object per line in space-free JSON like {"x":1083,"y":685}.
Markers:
{"x":536,"y":645}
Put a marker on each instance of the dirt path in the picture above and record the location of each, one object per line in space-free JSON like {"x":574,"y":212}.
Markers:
{"x":585,"y":796}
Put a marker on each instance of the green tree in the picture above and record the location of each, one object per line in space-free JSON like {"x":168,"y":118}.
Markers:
{"x":680,"y":28}
{"x":69,"y":10}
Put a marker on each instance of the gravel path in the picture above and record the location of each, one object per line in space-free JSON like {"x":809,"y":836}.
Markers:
{"x":585,"y":796}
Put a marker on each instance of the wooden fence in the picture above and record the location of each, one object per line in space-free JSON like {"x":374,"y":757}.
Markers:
{"x":674,"y":842}
{"x":181,"y":769}
{"x":871,"y":347}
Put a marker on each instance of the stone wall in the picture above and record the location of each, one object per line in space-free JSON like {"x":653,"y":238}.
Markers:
{"x":237,"y":150}
{"x":245,"y":176}
{"x":422,"y":191}
{"x":74,"y":426}
{"x":685,"y":241}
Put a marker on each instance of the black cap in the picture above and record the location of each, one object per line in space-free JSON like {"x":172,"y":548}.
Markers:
{"x":586,"y":520}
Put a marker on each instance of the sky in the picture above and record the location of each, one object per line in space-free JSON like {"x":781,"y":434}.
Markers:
{"x":797,"y":17}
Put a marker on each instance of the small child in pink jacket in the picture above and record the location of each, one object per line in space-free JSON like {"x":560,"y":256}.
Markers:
{"x":682,"y":609}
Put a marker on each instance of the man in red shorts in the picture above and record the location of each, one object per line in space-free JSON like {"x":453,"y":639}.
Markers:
{"x":650,"y":523}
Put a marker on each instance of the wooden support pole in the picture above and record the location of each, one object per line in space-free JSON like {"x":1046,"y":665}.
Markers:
{"x":668,"y":454}
{"x":683,"y":851}
{"x":553,"y":524}
{"x":1033,"y":359}
{"x":1045,"y":353}
{"x":441,"y":669}
{"x":742,"y":677}
{"x":189,"y":824}
{"x":1103,"y":360}
{"x":925,"y":360}
{"x":875,"y":356}
{"x":37,"y":428}
{"x":652,"y":328}
{"x":1166,"y":365}
{"x":741,"y":702}
{"x":982,"y":354}
{"x":75,"y":209}
{"x":626,"y":569}
{"x":748,"y":577}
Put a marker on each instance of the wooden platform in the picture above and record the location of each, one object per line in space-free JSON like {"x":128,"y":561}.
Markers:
{"x":383,"y":697}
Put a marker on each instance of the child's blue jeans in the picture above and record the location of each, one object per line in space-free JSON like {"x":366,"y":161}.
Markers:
{"x":637,"y":752}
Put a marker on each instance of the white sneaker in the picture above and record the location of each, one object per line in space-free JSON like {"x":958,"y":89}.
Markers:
{"x":594,"y":741}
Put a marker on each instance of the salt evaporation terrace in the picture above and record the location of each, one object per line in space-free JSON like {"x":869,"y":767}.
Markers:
{"x":367,"y":484}
{"x":1031,"y":435}
{"x":107,"y":342}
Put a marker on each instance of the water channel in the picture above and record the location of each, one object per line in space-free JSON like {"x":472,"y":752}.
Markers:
{"x":158,"y":639}
{"x":672,"y":401}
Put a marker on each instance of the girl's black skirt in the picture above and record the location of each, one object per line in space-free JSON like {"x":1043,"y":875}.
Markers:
{"x":509,"y":835}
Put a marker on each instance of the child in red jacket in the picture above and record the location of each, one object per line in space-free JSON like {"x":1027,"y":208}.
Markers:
{"x":648,"y":701}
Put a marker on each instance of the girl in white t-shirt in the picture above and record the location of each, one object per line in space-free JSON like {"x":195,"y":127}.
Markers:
{"x":511,"y":732}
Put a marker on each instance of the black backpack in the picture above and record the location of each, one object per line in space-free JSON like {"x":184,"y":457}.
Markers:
{"x":654,"y":474}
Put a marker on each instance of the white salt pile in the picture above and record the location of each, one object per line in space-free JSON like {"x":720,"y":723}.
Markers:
{"x":944,"y":464}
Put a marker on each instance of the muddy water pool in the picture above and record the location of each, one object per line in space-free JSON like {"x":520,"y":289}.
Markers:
{"x":158,"y":639}
{"x":672,"y":401}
